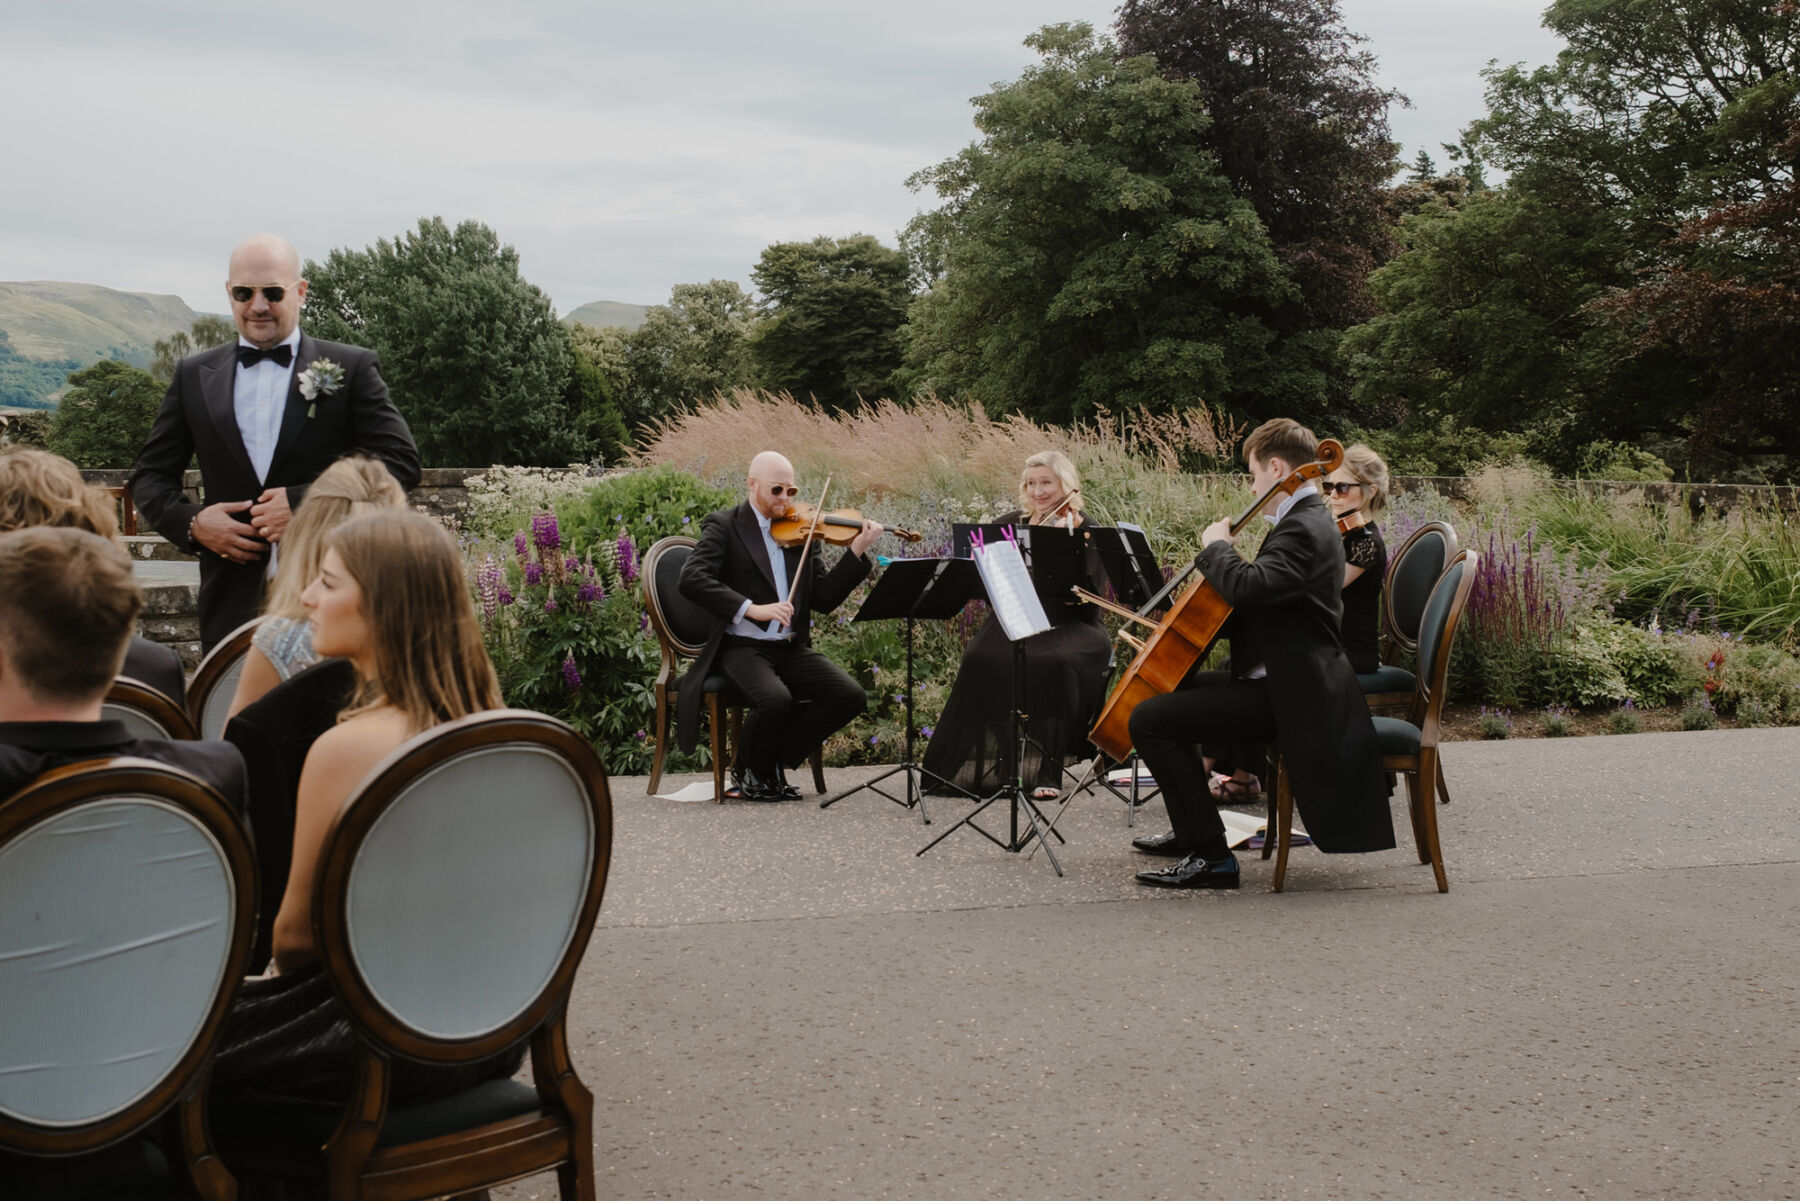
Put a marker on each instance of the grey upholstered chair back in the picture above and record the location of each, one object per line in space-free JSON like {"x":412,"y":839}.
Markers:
{"x":218,"y":702}
{"x":685,"y":624}
{"x":1416,"y":568}
{"x":117,"y":918}
{"x":140,"y":723}
{"x":465,"y":892}
{"x":1437,"y":625}
{"x":216,"y":680}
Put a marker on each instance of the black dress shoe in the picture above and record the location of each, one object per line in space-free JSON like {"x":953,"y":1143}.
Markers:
{"x":1195,"y":872}
{"x":788,"y":791}
{"x":751,"y":786}
{"x":1159,"y":844}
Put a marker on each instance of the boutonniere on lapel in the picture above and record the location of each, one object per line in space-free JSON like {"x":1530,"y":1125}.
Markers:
{"x":322,"y":377}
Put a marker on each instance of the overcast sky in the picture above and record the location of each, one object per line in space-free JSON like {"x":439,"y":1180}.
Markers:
{"x":621,"y":148}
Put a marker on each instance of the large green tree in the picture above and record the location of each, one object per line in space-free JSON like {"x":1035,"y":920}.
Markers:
{"x":473,"y":353}
{"x":208,"y":330}
{"x":832,"y":312}
{"x":687,"y":350}
{"x":595,"y":385}
{"x":1089,"y":253}
{"x":1298,"y":126}
{"x":105,"y":415}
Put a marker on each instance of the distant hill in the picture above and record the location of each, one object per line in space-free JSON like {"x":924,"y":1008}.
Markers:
{"x":608,"y":312}
{"x":45,"y":319}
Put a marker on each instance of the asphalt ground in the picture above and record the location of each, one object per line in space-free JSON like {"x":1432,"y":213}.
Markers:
{"x":785,"y":1001}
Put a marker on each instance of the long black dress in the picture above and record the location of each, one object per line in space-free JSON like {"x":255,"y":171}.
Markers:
{"x":1065,"y":685}
{"x":1361,"y":628}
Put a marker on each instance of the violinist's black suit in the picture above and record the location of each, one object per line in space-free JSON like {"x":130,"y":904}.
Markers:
{"x":796,"y":697}
{"x":1286,"y":606}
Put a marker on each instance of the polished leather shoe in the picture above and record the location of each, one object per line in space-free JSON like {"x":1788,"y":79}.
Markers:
{"x":788,"y":791}
{"x":1159,"y":844}
{"x":1194,"y":872}
{"x":751,"y":786}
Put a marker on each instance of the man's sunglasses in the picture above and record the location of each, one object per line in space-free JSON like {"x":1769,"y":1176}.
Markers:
{"x":1340,"y":487}
{"x":779,"y":490}
{"x":244,"y":293}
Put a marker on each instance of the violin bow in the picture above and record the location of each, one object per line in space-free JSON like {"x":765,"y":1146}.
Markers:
{"x":806,"y":547}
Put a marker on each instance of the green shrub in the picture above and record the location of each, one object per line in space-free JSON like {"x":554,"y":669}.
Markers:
{"x":646,"y":504}
{"x":1624,"y":720}
{"x":1755,"y":713}
{"x":1699,"y":714}
{"x":1495,"y":723}
{"x":1657,"y":668}
{"x":1582,"y":666}
{"x":1555,"y":722}
{"x":1764,"y":677}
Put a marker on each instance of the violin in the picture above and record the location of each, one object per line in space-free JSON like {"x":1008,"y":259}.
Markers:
{"x":1355,"y":519}
{"x":1189,"y":629}
{"x":838,"y":527}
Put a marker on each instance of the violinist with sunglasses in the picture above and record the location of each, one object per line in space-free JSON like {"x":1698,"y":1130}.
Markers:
{"x":762,"y":595}
{"x":264,"y":416}
{"x":1357,"y":492}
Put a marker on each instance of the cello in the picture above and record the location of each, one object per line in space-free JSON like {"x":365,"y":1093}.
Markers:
{"x":1189,"y":629}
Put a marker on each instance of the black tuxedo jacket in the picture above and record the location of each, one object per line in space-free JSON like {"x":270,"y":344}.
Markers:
{"x":730,"y":566}
{"x":28,"y":749}
{"x":197,"y":419}
{"x":1286,"y":608}
{"x":158,"y":666}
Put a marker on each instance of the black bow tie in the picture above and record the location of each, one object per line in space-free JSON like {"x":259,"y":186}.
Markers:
{"x":250,"y":356}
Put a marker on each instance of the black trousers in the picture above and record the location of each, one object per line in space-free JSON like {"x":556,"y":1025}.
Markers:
{"x":1214,"y":709}
{"x":795,"y":697}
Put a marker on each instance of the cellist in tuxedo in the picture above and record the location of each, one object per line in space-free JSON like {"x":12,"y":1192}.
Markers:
{"x":1290,"y":683}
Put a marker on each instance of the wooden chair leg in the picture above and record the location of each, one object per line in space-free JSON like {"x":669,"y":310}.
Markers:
{"x":1443,"y":789}
{"x":818,"y":765}
{"x":1284,"y":820}
{"x":662,"y":740}
{"x":717,"y":731}
{"x":1411,"y":778}
{"x":1428,"y":771}
{"x":1272,"y":775}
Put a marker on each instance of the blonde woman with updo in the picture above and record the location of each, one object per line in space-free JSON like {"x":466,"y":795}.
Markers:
{"x":1357,"y":492}
{"x":1065,"y":667}
{"x":283,"y":644}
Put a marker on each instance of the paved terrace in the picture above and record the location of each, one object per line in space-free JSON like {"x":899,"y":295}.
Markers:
{"x":785,"y":1002}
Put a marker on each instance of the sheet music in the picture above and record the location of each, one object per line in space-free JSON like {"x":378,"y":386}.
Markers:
{"x":1009,"y":589}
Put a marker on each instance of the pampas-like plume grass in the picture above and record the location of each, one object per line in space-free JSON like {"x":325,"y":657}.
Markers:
{"x":884,"y":448}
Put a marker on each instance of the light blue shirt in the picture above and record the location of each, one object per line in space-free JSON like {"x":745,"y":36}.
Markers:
{"x":774,"y":631}
{"x":258,"y":398}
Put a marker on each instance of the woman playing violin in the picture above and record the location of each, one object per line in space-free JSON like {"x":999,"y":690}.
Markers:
{"x":1065,"y":667}
{"x":1357,"y":491}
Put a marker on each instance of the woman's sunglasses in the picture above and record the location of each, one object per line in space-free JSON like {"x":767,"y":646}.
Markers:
{"x":1339,"y":487}
{"x":243,"y":293}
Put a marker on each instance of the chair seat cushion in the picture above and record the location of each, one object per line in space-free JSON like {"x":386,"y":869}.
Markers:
{"x":294,"y":1131}
{"x":1387,"y":679}
{"x":1397,"y":737}
{"x":717,"y":682}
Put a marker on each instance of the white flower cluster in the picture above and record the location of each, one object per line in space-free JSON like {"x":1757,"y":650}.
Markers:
{"x":503,"y":499}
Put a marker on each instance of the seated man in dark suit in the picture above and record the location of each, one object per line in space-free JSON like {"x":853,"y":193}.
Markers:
{"x":762,"y":597}
{"x":39,"y":488}
{"x":68,"y":606}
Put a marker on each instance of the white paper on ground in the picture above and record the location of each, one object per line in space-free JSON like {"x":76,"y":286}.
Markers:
{"x":693,"y":792}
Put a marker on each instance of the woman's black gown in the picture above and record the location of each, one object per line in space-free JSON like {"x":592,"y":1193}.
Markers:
{"x":1066,"y":671}
{"x":1360,"y":629}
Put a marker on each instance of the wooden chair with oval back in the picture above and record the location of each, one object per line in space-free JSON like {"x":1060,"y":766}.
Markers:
{"x":681,"y":629}
{"x":127,"y":890}
{"x":457,"y":892}
{"x":1409,"y":746}
{"x":146,"y":712}
{"x":1411,"y":574}
{"x":216,"y":679}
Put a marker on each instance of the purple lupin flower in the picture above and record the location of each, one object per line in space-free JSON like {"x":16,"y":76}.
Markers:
{"x":487,"y":587}
{"x":534,"y":573}
{"x":544,"y":532}
{"x":571,"y":675}
{"x":627,"y":559}
{"x":506,"y":596}
{"x":588,"y":593}
{"x":550,"y":602}
{"x":521,"y":547}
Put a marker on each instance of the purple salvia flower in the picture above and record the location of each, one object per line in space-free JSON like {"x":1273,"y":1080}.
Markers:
{"x":571,"y":676}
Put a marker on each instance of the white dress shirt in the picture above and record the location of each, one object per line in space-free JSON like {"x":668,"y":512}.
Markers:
{"x":774,"y":631}
{"x":259,"y":397}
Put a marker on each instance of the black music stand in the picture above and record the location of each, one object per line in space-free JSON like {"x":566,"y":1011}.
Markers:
{"x":1020,"y":802}
{"x":1130,"y":564}
{"x":909,"y":589}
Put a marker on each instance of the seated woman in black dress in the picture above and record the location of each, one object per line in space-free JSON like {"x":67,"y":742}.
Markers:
{"x":1359,"y":489}
{"x":1065,"y":667}
{"x":390,"y":597}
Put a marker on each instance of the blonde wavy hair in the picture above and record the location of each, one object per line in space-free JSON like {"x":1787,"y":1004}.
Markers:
{"x":1362,"y":462}
{"x":39,"y":488}
{"x":1064,"y":471}
{"x":429,"y":659}
{"x":350,"y":487}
